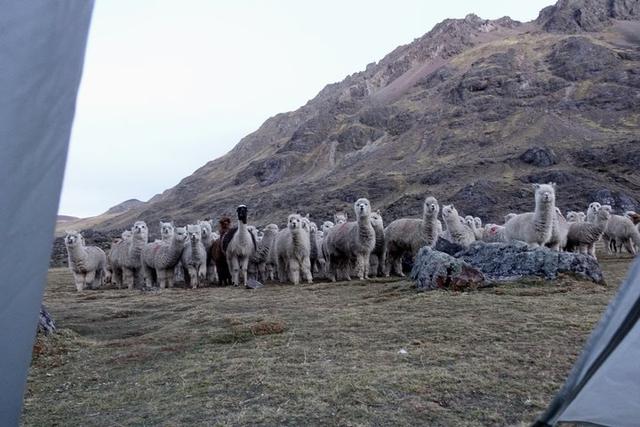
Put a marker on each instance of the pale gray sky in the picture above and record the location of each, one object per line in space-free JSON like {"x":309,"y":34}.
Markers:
{"x":170,"y":85}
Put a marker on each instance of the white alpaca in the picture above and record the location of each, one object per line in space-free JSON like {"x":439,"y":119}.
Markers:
{"x":340,"y":218}
{"x":160,"y":258}
{"x":559,"y":231}
{"x":208,"y":237}
{"x":262,"y":257}
{"x":621,"y":232}
{"x":592,"y":210}
{"x":573,"y":216}
{"x":315,"y":252}
{"x":87,"y":263}
{"x":458,"y":232}
{"x":194,"y":257}
{"x":376,"y":259}
{"x":292,"y":251}
{"x":408,"y":235}
{"x":535,"y":228}
{"x":239,"y":244}
{"x":493,"y":233}
{"x":351,"y":240}
{"x":582,"y":236}
{"x":126,"y":256}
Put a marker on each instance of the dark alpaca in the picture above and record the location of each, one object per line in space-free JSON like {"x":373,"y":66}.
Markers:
{"x":219,"y":258}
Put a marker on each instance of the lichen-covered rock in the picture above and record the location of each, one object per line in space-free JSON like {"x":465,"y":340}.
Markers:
{"x":436,"y":270}
{"x":511,"y":261}
{"x":539,"y":156}
{"x":449,"y":248}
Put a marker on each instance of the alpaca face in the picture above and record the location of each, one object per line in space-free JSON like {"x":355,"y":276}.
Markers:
{"x":194,"y":232}
{"x":469,"y":221}
{"x":166,"y":229}
{"x":478,"y":222}
{"x":294,"y":222}
{"x":340,"y":217}
{"x":205,"y":229}
{"x":545,"y":193}
{"x":362,"y":208}
{"x":140,"y":229}
{"x":581,"y":216}
{"x":326,"y":226}
{"x":180,"y":234}
{"x":126,"y":235}
{"x":376,"y":219}
{"x":431,"y":205}
{"x":73,"y":238}
{"x":242,"y":213}
{"x":313,"y":227}
{"x":594,"y":206}
{"x":271,"y":227}
{"x":306,"y":223}
{"x":572,"y":216}
{"x":448,"y":211}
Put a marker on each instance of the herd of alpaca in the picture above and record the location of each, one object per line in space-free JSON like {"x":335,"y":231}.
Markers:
{"x":364,"y":247}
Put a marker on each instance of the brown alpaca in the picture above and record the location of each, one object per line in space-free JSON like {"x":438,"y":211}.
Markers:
{"x":218,"y":255}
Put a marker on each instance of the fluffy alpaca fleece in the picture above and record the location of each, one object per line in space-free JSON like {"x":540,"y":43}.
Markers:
{"x":376,"y":259}
{"x":263,"y":255}
{"x":351,"y":241}
{"x":126,"y":257}
{"x":621,"y":232}
{"x":508,"y":216}
{"x":208,"y":237}
{"x":473,"y":226}
{"x":559,"y":231}
{"x":217,"y":254}
{"x":166,"y":230}
{"x":160,"y":258}
{"x":478,"y":222}
{"x":194,"y":257}
{"x":87,"y":263}
{"x":535,"y":228}
{"x":408,"y":235}
{"x":592,"y":210}
{"x":239,"y":244}
{"x":458,"y":232}
{"x":582,"y":236}
{"x":292,"y":251}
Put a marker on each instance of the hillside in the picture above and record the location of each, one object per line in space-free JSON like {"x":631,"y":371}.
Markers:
{"x":451,"y":114}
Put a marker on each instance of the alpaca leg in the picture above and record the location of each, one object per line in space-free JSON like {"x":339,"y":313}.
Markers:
{"x":116,"y":277}
{"x":148,"y":275}
{"x":89,"y":278}
{"x":79,"y":281}
{"x":592,"y":250}
{"x":628,"y":245}
{"x":361,"y":269}
{"x":244,"y":267}
{"x":202,"y":273}
{"x":193,"y":276}
{"x":398,"y":266}
{"x":386,"y":265}
{"x":162,"y":278}
{"x":306,"y":270}
{"x":282,"y":271}
{"x":366,"y":264}
{"x":294,"y":271}
{"x":127,"y":278}
{"x":234,"y":266}
{"x":373,"y":265}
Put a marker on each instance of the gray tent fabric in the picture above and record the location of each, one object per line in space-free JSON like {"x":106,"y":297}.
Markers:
{"x":42,"y":46}
{"x":603,"y":387}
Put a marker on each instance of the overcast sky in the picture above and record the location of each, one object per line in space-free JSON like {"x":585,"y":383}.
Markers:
{"x":170,"y":85}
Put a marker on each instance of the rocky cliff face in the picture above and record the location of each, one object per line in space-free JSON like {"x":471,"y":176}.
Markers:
{"x":451,"y":114}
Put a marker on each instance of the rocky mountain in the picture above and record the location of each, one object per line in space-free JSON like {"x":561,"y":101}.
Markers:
{"x":124,"y":206}
{"x":472,"y":112}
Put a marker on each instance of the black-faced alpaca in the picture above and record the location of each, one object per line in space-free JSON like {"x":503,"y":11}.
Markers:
{"x":238,"y":245}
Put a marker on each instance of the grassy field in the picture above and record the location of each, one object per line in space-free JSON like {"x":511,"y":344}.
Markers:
{"x":330,"y":354}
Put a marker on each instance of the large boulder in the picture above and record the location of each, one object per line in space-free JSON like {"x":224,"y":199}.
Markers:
{"x":433,"y":269}
{"x":511,"y":261}
{"x":539,"y":156}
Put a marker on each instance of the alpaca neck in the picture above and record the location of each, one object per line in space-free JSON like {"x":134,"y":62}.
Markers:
{"x":428,"y":221}
{"x":78,"y":252}
{"x":544,"y":213}
{"x":136,"y":245}
{"x":296,"y":237}
{"x":242,"y":233}
{"x":365,"y":230}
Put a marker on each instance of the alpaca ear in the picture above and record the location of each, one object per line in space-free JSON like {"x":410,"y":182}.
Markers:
{"x":536,"y":186}
{"x":378,"y":212}
{"x":553,"y":184}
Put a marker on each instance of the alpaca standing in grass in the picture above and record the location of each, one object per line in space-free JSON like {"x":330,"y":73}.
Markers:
{"x":126,"y":257}
{"x":458,"y":232}
{"x":208,"y":238}
{"x":408,"y":235}
{"x":87,"y":263}
{"x":217,"y":254}
{"x":621,"y":232}
{"x":535,"y":228}
{"x":351,"y":241}
{"x":262,"y":256}
{"x":160,"y":258}
{"x":376,"y":259}
{"x":315,"y":251}
{"x":194,"y":257}
{"x":582,"y":236}
{"x":592,"y":210}
{"x":239,"y":244}
{"x":292,"y":251}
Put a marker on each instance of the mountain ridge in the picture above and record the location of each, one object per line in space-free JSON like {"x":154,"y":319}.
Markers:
{"x":449,"y":114}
